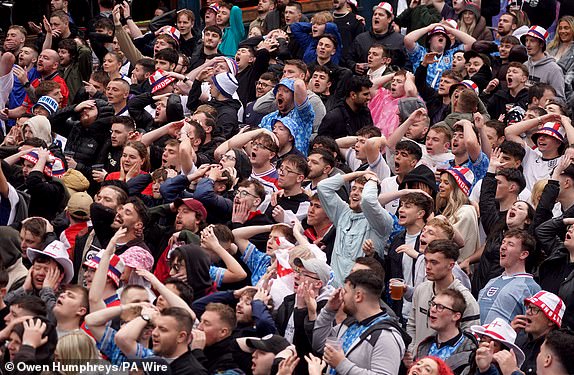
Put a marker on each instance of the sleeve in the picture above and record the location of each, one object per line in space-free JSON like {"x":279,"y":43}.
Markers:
{"x":173,"y":187}
{"x":379,"y":219}
{"x":380,"y":168}
{"x":425,"y":91}
{"x":217,"y":274}
{"x":225,"y":297}
{"x":546,"y":235}
{"x":301,"y":32}
{"x":333,"y":205}
{"x":489,"y":211}
{"x":265,"y":104}
{"x":256,"y":261}
{"x":84,"y":63}
{"x":127,"y":45}
{"x":205,"y":194}
{"x":416,"y":55}
{"x":323,"y":329}
{"x":546,"y":204}
{"x":264,"y":323}
{"x":136,"y":109}
{"x":412,"y":321}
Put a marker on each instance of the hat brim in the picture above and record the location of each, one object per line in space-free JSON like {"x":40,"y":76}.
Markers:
{"x":429,"y":36}
{"x":547,"y":132}
{"x":66,"y":263}
{"x":460,"y":183}
{"x":480,"y":330}
{"x":523,"y":38}
{"x":93,"y":265}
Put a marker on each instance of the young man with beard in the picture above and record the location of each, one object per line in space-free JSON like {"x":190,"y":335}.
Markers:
{"x":321,"y":164}
{"x":25,"y":66}
{"x":117,"y":93}
{"x":347,"y":22}
{"x":350,"y":115}
{"x":212,"y":36}
{"x":123,"y":127}
{"x":382,"y":33}
{"x":515,"y":93}
{"x":503,"y":297}
{"x":370,"y":339}
{"x":542,"y":67}
{"x":263,"y":9}
{"x":438,"y":41}
{"x":544,"y":313}
{"x":71,"y":307}
{"x":360,"y":219}
{"x":413,"y":212}
{"x":440,"y":257}
{"x":507,"y":23}
{"x":450,"y":343}
{"x":133,"y":217}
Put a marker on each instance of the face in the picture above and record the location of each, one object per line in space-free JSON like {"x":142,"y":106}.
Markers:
{"x":445,"y":84}
{"x":166,"y":336}
{"x":210,"y":17}
{"x":430,"y":233}
{"x":325,"y":49}
{"x":47,"y":62}
{"x":381,"y":20}
{"x":409,"y":214}
{"x":511,"y":252}
{"x":14,"y":345}
{"x":565,"y":32}
{"x":474,"y":65}
{"x":155,"y":188}
{"x":159,"y":45}
{"x":283,"y":134}
{"x":65,"y":57}
{"x":546,"y":143}
{"x":161,"y":303}
{"x":537,"y":323}
{"x":89,"y":115}
{"x":260,"y":154}
{"x":458,"y":145}
{"x":222,"y":18}
{"x":69,"y":305}
{"x":404,"y":162}
{"x":361,"y":98}
{"x":468,"y":17}
{"x":56,"y":94}
{"x":213,"y":328}
{"x":88,"y":276}
{"x":160,"y":110}
{"x":292,"y":71}
{"x":273,"y":241}
{"x":40,"y":271}
{"x":376,"y":58}
{"x":228,"y":159}
{"x":262,"y":87}
{"x":445,"y":187}
{"x":318,"y":29}
{"x":436,"y":143}
{"x":316,"y":215}
{"x":97,"y":85}
{"x":517,"y":216}
{"x":184,"y":24}
{"x":292,"y":15}
{"x":284,"y":99}
{"x":317,"y":166}
{"x":458,"y":62}
{"x":243,"y":309}
{"x":244,"y":57}
{"x":116,"y":92}
{"x":504,"y":50}
{"x":130,"y":158}
{"x":119,"y":135}
{"x":533,"y":46}
{"x":27,"y":239}
{"x":425,"y":366}
{"x":289,"y":176}
{"x":27,"y":56}
{"x":126,"y":217}
{"x":163,"y":65}
{"x":27,"y":167}
{"x":170,"y":156}
{"x":438,"y":267}
{"x":186,"y":219}
{"x":439,"y":320}
{"x":398,"y":86}
{"x":264,"y":6}
{"x":107,"y":198}
{"x":211,"y":39}
{"x":515,"y":78}
{"x":262,"y":362}
{"x":58,"y":5}
{"x":58,"y":25}
{"x":355,"y":197}
{"x":14,"y":40}
{"x":438,"y":42}
{"x":505,"y":24}
{"x":247,"y":195}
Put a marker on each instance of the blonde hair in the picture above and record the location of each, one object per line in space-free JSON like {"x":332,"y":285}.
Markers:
{"x":453,"y":202}
{"x":443,"y":225}
{"x":536,"y":192}
{"x":463,"y":27}
{"x":555,"y":43}
{"x":322,"y":17}
{"x":75,"y":347}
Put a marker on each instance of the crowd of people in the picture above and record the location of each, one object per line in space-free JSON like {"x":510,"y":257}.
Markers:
{"x":379,"y":188}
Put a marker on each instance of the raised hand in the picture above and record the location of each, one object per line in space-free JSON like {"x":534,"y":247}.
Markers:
{"x":429,"y":58}
{"x":33,"y":331}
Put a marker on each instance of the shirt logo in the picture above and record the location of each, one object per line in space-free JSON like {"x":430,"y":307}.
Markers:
{"x":491,"y":291}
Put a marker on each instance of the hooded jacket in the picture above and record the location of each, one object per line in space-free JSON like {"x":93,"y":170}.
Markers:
{"x":197,"y":264}
{"x":498,"y":103}
{"x":481,"y":32}
{"x":86,"y":142}
{"x":482,"y":77}
{"x":546,"y":70}
{"x":12,"y":256}
{"x":227,"y":116}
{"x":342,"y":121}
{"x":40,"y":127}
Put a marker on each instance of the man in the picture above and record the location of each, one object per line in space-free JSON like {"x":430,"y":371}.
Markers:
{"x":252,"y":62}
{"x":555,"y":356}
{"x":71,"y":308}
{"x":450,"y":343}
{"x":35,"y":233}
{"x":467,"y":151}
{"x":264,"y":350}
{"x":123,"y":127}
{"x":133,"y":217}
{"x":382,"y":32}
{"x":117,"y":93}
{"x":26,"y":65}
{"x":212,"y":36}
{"x":108,"y":294}
{"x":439,"y":43}
{"x":363,"y":151}
{"x":293,"y":203}
{"x":347,"y":22}
{"x":379,"y":62}
{"x":544,"y":312}
{"x":321,"y":163}
{"x":504,"y":296}
{"x":15,"y":39}
{"x":539,"y":94}
{"x":78,"y":213}
{"x":351,"y":114}
{"x":75,"y":64}
{"x":320,"y":83}
{"x":361,"y":218}
{"x":212,"y":340}
{"x":440,"y":258}
{"x":380,"y":343}
{"x":542,"y":67}
{"x":318,"y":227}
{"x":507,"y":23}
{"x":516,"y":93}
{"x":286,"y":130}
{"x":292,"y":101}
{"x":263,"y":8}
{"x":438,"y":102}
{"x":222,"y":90}
{"x":58,"y":31}
{"x":187,"y":39}
{"x":267,"y":81}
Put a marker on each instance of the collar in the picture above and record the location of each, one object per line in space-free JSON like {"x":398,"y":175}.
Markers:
{"x":450,"y":342}
{"x":252,"y":214}
{"x":369,"y":320}
{"x":111,"y":299}
{"x":50,"y":77}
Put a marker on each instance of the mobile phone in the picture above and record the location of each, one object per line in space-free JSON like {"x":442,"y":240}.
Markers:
{"x":98,"y":167}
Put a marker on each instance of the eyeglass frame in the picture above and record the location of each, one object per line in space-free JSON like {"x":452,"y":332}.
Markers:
{"x":261,"y":83}
{"x":285,"y":171}
{"x":261,"y":145}
{"x":440,"y":307}
{"x":244,"y":193}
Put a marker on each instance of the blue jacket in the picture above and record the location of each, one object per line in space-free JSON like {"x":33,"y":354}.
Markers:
{"x":301,"y":31}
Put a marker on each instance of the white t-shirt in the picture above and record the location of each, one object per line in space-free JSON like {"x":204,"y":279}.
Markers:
{"x":6,"y":83}
{"x":535,"y":167}
{"x":379,"y":167}
{"x":389,"y":185}
{"x":13,"y":200}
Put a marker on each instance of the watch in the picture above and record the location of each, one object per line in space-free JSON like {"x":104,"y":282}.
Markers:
{"x":145,"y":317}
{"x":27,"y":84}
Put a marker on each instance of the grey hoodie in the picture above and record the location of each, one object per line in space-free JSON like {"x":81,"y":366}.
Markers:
{"x":546,"y":70}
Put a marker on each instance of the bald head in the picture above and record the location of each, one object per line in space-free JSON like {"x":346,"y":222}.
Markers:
{"x":48,"y":62}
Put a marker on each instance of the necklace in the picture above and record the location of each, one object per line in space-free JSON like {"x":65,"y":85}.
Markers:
{"x":335,"y":15}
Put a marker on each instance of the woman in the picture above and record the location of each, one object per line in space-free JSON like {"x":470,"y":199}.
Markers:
{"x":74,"y":348}
{"x":452,"y":202}
{"x":471,"y":22}
{"x":430,"y":366}
{"x":134,"y":162}
{"x":112,"y":64}
{"x":562,"y":49}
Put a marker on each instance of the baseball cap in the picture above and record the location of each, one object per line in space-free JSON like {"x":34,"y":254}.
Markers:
{"x":315,"y":265}
{"x":194,"y":205}
{"x":270,"y":343}
{"x":79,"y":205}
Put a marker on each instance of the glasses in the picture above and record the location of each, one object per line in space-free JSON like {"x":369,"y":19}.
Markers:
{"x":261,"y":83}
{"x":300,"y":271}
{"x":228,"y":157}
{"x":261,"y":145}
{"x":244,"y":193}
{"x":176,"y":267}
{"x":284,"y":171}
{"x":439,"y":307}
{"x":532,"y":310}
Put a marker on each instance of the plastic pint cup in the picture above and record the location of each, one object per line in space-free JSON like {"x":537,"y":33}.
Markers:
{"x":334,"y":342}
{"x":397,"y":289}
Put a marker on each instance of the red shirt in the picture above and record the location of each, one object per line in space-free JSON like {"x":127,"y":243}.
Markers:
{"x":116,"y":176}
{"x":52,"y":77}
